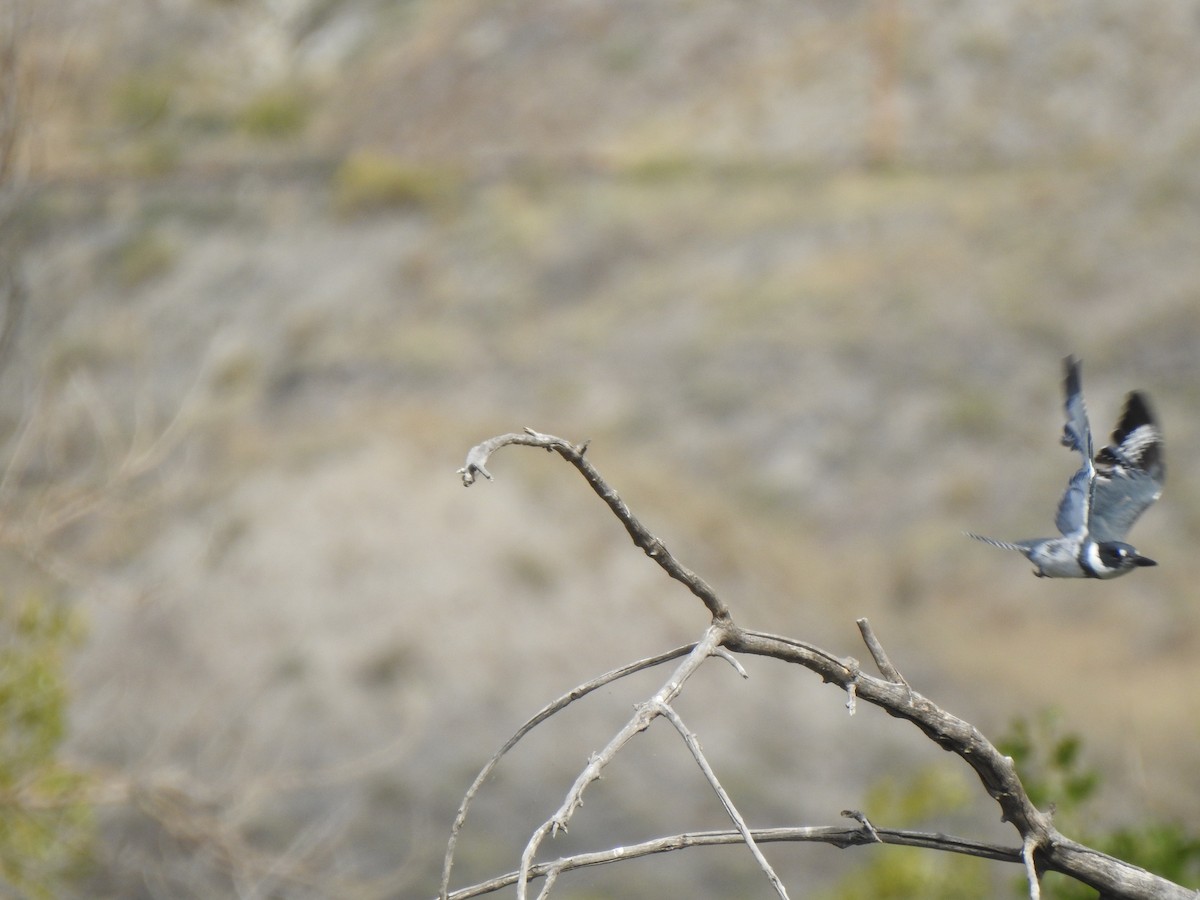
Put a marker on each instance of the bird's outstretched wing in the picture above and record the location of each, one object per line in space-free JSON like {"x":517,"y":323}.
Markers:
{"x":1074,"y":509}
{"x":1129,"y":472}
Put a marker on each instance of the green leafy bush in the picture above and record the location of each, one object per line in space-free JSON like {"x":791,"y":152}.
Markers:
{"x":1053,"y":768}
{"x":901,"y":873}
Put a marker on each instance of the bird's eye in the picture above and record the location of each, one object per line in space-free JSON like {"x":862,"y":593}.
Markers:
{"x":1114,"y":555}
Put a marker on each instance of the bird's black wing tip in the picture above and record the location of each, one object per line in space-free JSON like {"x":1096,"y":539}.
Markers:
{"x":1071,"y":367}
{"x":1137,"y":412}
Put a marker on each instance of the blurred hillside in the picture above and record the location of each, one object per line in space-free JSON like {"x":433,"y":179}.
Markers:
{"x":804,"y":275}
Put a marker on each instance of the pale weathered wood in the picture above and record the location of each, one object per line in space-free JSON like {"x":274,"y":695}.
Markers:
{"x":1042,"y":847}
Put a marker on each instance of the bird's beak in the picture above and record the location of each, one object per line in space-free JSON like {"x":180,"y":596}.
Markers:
{"x":1143,"y":561}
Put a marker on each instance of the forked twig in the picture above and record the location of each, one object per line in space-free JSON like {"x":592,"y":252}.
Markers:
{"x":542,"y":715}
{"x":861,"y":818}
{"x":642,"y":717}
{"x":835,"y":835}
{"x":1043,"y":847}
{"x":739,"y":823}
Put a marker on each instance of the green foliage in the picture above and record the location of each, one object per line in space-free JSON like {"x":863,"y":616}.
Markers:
{"x":1050,"y":765}
{"x":1052,"y":768}
{"x":374,"y":181}
{"x":1165,"y":849}
{"x":276,"y":114}
{"x":45,"y":824}
{"x":903,"y":803}
{"x":1055,"y":773}
{"x":901,"y":873}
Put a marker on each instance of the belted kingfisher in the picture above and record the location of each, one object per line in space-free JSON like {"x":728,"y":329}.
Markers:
{"x":1105,"y":497}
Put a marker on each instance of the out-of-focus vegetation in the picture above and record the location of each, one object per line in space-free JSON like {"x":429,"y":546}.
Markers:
{"x":141,"y":101}
{"x":276,"y":114}
{"x":140,"y":258}
{"x":374,"y":182}
{"x":1054,"y":769}
{"x":902,"y":873}
{"x":46,"y":822}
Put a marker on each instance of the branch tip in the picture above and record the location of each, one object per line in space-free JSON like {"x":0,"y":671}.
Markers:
{"x":574,"y":454}
{"x":469,"y":471}
{"x":860,"y":817}
{"x":732,"y":660}
{"x":882,"y":661}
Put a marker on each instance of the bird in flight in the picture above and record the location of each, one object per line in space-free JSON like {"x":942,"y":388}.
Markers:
{"x":1105,"y":497}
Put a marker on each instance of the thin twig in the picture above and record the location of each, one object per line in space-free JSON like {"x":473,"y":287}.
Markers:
{"x":1046,"y":848}
{"x":544,"y":713}
{"x":886,"y":668}
{"x":836,"y":835}
{"x":861,"y":818}
{"x":1028,"y":848}
{"x":739,"y":823}
{"x":995,"y":770}
{"x":642,"y":717}
{"x":1043,"y":846}
{"x":732,"y":660}
{"x":478,"y":455}
{"x":477,"y":458}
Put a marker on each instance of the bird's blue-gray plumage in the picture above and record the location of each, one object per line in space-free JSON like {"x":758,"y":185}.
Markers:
{"x":1105,"y":496}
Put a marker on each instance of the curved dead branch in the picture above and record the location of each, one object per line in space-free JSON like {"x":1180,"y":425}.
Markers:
{"x":542,"y":715}
{"x":841,"y":836}
{"x":1042,"y":847}
{"x":476,"y":464}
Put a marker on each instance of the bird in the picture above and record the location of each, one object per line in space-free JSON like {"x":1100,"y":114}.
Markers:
{"x":1108,"y":493}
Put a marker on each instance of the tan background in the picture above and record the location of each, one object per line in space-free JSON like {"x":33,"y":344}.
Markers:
{"x":804,"y":275}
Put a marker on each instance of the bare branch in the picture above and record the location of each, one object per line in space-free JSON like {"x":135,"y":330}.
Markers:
{"x":542,"y":715}
{"x":1043,"y":848}
{"x":950,"y":732}
{"x":1028,"y":849}
{"x":733,"y":661}
{"x":889,"y":671}
{"x":477,"y":458}
{"x":1053,"y":851}
{"x":642,"y":717}
{"x":836,"y":835}
{"x":743,"y":829}
{"x":862,"y":819}
{"x":478,"y":455}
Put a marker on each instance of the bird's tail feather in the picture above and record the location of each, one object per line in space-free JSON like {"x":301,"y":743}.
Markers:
{"x":1003,"y":545}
